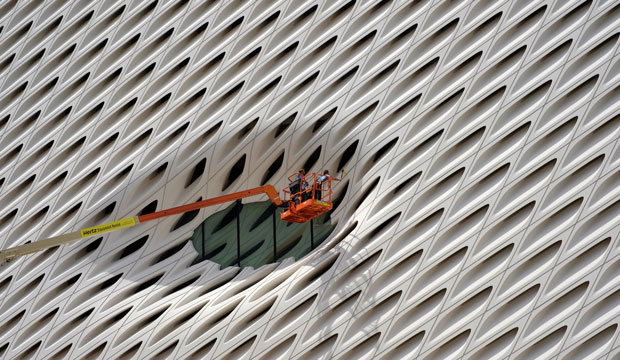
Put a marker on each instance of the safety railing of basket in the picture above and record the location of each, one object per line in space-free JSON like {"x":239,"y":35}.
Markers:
{"x":314,"y":190}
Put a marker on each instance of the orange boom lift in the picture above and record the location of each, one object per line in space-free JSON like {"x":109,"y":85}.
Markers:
{"x":305,"y":198}
{"x":11,"y":253}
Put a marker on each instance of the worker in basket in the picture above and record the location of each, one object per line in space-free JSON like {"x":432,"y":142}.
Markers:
{"x":298,"y":187}
{"x":318,"y":192}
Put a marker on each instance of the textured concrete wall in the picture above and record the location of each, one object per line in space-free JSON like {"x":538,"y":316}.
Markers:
{"x":482,"y":203}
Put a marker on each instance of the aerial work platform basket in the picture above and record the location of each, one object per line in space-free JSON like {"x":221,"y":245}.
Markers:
{"x":307,"y":197}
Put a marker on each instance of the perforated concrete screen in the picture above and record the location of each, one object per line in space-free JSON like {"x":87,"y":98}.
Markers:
{"x":479,"y":213}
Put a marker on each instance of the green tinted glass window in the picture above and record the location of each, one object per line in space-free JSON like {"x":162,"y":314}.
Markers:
{"x":243,"y":235}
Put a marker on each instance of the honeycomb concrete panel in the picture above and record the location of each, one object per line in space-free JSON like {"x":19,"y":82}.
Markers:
{"x":479,"y":214}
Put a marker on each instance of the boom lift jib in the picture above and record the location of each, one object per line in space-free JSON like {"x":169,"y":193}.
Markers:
{"x":11,"y":253}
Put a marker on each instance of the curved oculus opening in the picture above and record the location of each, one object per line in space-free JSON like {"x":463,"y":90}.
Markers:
{"x":253,"y":235}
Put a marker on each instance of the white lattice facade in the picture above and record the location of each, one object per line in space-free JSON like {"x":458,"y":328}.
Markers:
{"x":480,"y":210}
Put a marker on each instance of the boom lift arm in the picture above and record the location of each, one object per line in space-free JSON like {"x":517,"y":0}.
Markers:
{"x":11,"y":253}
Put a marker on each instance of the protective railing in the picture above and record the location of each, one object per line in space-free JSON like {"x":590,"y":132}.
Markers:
{"x":304,"y":187}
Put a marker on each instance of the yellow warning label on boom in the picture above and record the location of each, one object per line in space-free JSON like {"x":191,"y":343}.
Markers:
{"x":119,"y":224}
